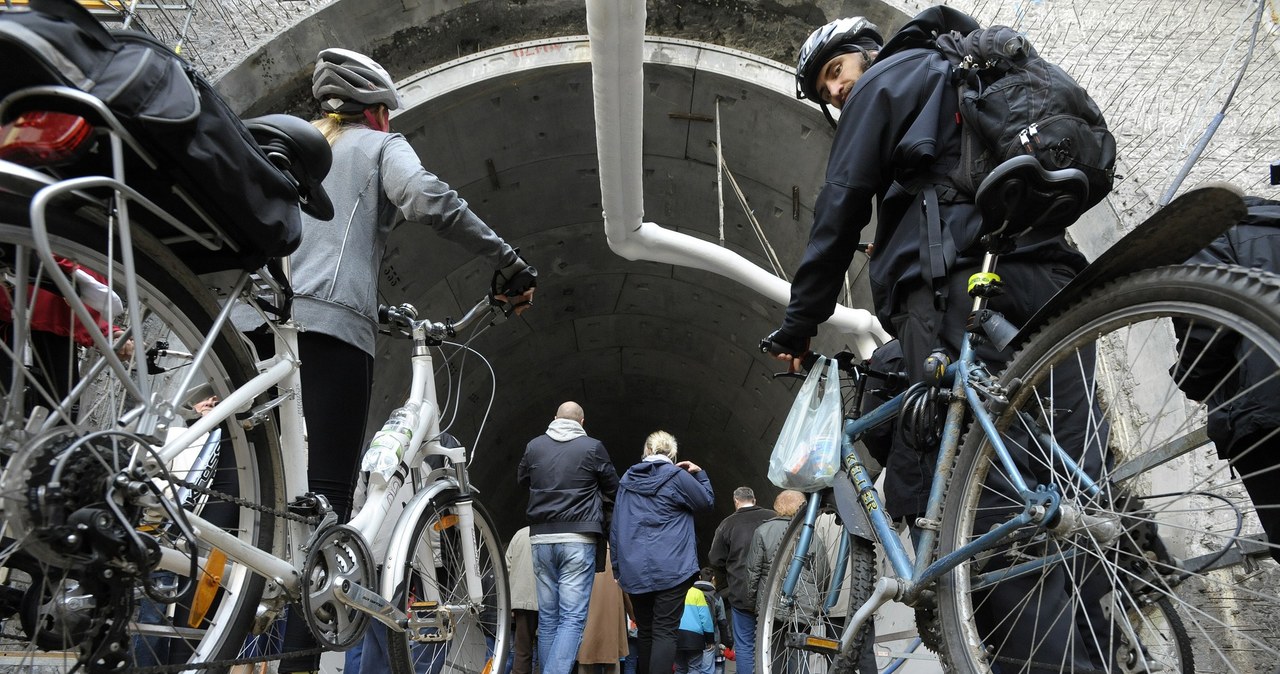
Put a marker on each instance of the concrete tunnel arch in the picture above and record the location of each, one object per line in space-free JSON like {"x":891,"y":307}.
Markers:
{"x":641,"y":345}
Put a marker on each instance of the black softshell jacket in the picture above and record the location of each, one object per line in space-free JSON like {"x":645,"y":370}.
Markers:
{"x":1247,"y":407}
{"x":898,"y":131}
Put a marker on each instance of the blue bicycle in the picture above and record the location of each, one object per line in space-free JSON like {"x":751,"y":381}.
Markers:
{"x":1079,"y":520}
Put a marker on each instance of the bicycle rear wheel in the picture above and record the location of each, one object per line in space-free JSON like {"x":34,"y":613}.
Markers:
{"x":1154,"y":553}
{"x":460,"y":636}
{"x":73,"y":568}
{"x":799,"y":631}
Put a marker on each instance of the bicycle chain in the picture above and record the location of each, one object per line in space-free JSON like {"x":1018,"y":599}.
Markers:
{"x":312,"y":520}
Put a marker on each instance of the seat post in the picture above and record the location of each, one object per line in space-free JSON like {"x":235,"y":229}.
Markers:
{"x":980,"y":282}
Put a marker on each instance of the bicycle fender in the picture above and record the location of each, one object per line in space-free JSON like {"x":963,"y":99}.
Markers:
{"x":851,"y":513}
{"x":1168,"y":237}
{"x":398,"y":548}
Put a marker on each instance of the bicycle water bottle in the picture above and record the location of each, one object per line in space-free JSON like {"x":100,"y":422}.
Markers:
{"x":388,"y":445}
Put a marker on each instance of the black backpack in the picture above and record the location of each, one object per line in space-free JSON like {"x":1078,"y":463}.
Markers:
{"x":1013,"y":102}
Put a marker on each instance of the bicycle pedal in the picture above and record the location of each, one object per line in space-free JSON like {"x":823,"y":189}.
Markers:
{"x":428,"y":623}
{"x":808,"y":642}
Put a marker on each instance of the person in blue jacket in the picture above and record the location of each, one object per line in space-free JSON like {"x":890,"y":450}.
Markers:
{"x":655,"y":554}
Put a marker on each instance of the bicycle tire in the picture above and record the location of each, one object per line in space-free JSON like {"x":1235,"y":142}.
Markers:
{"x":800,"y":614}
{"x":1158,"y":526}
{"x":481,"y":634}
{"x":176,"y":306}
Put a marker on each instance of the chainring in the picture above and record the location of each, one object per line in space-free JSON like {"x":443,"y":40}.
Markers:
{"x":338,"y":553}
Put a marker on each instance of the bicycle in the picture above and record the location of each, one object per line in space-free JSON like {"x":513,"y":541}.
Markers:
{"x":1119,"y":498}
{"x":115,"y":558}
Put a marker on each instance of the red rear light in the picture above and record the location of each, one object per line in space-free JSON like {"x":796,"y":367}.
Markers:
{"x":44,"y":139}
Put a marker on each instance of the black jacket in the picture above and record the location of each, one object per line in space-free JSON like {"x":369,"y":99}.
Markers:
{"x":898,"y":131}
{"x":572,"y":485}
{"x":729,"y":548}
{"x":1236,"y":419}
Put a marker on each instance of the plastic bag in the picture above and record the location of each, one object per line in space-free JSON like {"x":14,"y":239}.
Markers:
{"x":807,"y":453}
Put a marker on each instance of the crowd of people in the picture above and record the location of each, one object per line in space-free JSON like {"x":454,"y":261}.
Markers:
{"x":607,"y":574}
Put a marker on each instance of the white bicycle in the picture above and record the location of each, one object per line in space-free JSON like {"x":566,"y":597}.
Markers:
{"x":134,"y":542}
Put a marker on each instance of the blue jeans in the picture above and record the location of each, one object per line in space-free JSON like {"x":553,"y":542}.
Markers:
{"x":370,"y":654}
{"x":565,"y":573}
{"x":744,"y":639}
{"x":696,"y":662}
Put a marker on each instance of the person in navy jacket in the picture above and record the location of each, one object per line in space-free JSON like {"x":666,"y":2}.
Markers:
{"x":655,"y":551}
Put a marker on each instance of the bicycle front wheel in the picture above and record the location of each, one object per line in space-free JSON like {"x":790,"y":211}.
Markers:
{"x":77,"y":585}
{"x":1144,"y":546}
{"x":799,"y":630}
{"x":453,"y":632}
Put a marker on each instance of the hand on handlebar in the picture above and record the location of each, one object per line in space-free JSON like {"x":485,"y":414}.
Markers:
{"x":794,"y":351}
{"x":519,"y":303}
{"x":514,"y":284}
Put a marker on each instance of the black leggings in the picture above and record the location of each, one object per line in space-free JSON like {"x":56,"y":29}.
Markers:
{"x":337,"y":380}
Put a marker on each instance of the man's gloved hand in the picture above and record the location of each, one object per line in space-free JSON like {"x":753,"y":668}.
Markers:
{"x":729,"y":654}
{"x":785,"y":346}
{"x":780,"y":342}
{"x":514,"y":284}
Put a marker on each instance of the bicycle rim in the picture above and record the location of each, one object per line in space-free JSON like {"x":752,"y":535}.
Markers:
{"x":1169,"y":524}
{"x":799,"y":631}
{"x":60,"y":599}
{"x":461,"y":636}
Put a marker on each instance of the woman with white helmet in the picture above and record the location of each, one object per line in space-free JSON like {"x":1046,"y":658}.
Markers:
{"x":377,"y":183}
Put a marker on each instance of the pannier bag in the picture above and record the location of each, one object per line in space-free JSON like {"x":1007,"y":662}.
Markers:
{"x":177,"y":117}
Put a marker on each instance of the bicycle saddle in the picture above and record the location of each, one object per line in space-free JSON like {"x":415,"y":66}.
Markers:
{"x":1019,"y":196}
{"x":301,"y":151}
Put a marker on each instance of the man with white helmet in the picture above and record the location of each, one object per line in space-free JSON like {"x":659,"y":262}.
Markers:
{"x":897,"y":137}
{"x":377,"y":182}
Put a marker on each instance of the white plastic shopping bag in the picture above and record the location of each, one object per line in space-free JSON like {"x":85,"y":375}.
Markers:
{"x":807,"y":453}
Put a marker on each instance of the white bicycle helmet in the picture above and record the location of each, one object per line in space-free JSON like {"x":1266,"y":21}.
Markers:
{"x":842,"y":35}
{"x":347,"y":81}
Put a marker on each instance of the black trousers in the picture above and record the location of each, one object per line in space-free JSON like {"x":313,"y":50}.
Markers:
{"x":657,"y":621}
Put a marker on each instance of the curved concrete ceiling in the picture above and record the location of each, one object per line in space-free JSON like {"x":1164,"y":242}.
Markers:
{"x":643,"y":346}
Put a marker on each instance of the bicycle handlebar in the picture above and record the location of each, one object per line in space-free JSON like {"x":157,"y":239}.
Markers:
{"x":404,"y":319}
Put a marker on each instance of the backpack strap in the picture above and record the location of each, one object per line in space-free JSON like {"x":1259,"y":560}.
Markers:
{"x":937,"y":252}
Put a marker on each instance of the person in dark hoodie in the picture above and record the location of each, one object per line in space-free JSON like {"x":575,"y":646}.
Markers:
{"x":1235,"y":380}
{"x":897,"y":138}
{"x":572,"y":484}
{"x":655,"y":553}
{"x":728,"y":558}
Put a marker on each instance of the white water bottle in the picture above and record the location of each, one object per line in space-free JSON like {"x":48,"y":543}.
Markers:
{"x":388,"y":444}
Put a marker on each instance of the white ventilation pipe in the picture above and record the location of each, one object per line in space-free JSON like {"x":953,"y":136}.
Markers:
{"x":616,"y":30}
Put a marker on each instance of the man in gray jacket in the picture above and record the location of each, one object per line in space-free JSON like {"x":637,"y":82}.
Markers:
{"x":572,"y":485}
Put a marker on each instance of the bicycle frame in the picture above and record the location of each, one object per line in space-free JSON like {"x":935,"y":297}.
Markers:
{"x":282,"y":371}
{"x":1040,"y":506}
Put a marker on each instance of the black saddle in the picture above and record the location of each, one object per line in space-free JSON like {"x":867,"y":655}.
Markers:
{"x":301,"y":151}
{"x":1020,"y":197}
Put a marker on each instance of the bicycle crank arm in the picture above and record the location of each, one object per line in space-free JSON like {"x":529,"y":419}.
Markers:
{"x":363,"y":599}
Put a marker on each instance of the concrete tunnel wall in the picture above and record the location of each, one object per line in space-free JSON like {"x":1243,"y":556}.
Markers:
{"x":643,"y":346}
